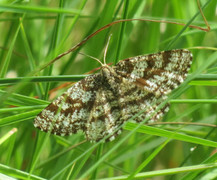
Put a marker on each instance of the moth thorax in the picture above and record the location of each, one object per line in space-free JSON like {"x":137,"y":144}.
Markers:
{"x":107,"y":71}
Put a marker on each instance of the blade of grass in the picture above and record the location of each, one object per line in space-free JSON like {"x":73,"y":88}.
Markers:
{"x":8,"y":135}
{"x":18,"y":173}
{"x":186,"y":26}
{"x":122,"y":30}
{"x":5,"y":63}
{"x":98,"y":156}
{"x":167,"y":171}
{"x":24,"y":108}
{"x":148,"y":160}
{"x":35,"y":9}
{"x":193,"y":175}
{"x":24,"y":99}
{"x":18,"y":117}
{"x":161,"y":132}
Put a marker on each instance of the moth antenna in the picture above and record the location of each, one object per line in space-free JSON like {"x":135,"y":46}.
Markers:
{"x":106,"y":48}
{"x":91,"y":57}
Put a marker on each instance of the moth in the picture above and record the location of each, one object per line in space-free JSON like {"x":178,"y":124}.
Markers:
{"x":102,"y":102}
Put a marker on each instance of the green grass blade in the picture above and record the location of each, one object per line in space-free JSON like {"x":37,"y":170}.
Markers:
{"x":165,"y":172}
{"x":35,"y":9}
{"x":161,"y":132}
{"x":18,"y":173}
{"x":5,"y":63}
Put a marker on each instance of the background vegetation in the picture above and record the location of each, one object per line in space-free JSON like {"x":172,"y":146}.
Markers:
{"x":34,"y":32}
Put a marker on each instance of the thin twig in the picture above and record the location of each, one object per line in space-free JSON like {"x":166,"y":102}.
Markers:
{"x":107,"y":26}
{"x":204,"y":18}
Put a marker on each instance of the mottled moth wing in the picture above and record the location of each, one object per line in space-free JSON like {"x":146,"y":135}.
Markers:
{"x":70,"y":111}
{"x":158,"y":73}
{"x":152,"y":77}
{"x":90,"y":105}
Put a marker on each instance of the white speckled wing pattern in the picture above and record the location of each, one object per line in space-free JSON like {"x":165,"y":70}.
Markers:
{"x":151,"y":78}
{"x":158,"y":73}
{"x":70,"y":111}
{"x":100,"y":103}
